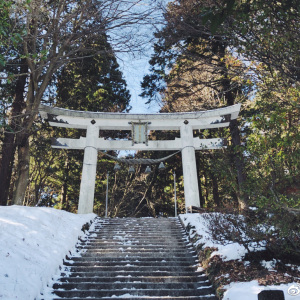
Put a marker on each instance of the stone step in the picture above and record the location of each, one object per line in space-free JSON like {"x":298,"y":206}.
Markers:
{"x":130,"y":267}
{"x":127,"y":297}
{"x":125,"y":263}
{"x":139,"y":238}
{"x":163,"y":227}
{"x":159,"y":279}
{"x":134,"y":292}
{"x":146,"y":259}
{"x":134,"y":259}
{"x":143,"y":224}
{"x":151,"y":229}
{"x":135,"y":222}
{"x":154,"y":231}
{"x":139,"y":234}
{"x":125,"y":253}
{"x":122,"y":255}
{"x":149,"y":247}
{"x":141,"y":227}
{"x":129,"y":285}
{"x":135,"y":241}
{"x":135,"y":245}
{"x":128,"y":273}
{"x":130,"y":249}
{"x":138,"y":222}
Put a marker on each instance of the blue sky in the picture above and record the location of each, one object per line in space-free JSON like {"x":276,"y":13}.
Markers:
{"x":134,"y":67}
{"x":134,"y":70}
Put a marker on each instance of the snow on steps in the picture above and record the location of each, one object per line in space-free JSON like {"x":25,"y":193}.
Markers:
{"x":134,"y":259}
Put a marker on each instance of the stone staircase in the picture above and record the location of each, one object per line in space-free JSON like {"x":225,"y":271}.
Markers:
{"x":132,"y":258}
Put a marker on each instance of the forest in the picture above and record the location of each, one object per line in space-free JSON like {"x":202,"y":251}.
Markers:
{"x":206,"y":55}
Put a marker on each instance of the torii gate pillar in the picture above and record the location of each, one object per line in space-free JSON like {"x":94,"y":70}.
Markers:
{"x":88,"y":177}
{"x":191,"y":188}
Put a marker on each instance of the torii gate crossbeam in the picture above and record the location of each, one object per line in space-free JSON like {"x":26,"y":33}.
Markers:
{"x":93,"y":122}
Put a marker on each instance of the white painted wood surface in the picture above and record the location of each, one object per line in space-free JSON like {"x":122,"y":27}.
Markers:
{"x":91,"y":144}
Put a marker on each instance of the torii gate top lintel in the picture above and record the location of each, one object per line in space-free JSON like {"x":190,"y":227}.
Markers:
{"x":160,"y":121}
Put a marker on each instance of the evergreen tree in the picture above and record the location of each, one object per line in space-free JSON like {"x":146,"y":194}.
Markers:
{"x":216,"y":53}
{"x":93,"y":82}
{"x":273,"y":146}
{"x":90,"y":83}
{"x":53,"y":33}
{"x":192,"y":69}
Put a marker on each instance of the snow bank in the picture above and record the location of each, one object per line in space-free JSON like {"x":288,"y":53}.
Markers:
{"x":235,"y":290}
{"x":33,"y":243}
{"x":200,"y":222}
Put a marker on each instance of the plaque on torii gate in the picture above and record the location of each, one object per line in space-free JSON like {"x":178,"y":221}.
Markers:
{"x":93,"y":122}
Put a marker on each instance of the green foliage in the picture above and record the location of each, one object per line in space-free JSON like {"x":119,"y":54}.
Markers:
{"x":273,"y":147}
{"x":259,"y":30}
{"x":209,"y":54}
{"x":4,"y":28}
{"x":217,"y":53}
{"x":91,"y":83}
{"x":11,"y":34}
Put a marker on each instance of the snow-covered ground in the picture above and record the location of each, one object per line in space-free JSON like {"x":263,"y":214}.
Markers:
{"x":236,"y":290}
{"x":33,"y":244}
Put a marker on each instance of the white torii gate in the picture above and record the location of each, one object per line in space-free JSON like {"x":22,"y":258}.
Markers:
{"x":139,"y":124}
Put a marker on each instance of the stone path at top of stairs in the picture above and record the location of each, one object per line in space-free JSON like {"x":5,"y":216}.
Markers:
{"x":131,"y":258}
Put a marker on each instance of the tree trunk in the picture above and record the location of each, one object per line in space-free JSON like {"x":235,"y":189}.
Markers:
{"x":64,"y":201}
{"x":202,"y":200}
{"x":22,"y":172}
{"x":215,"y":186}
{"x":8,"y":151}
{"x":239,"y":164}
{"x":64,"y":188}
{"x":9,"y":142}
{"x":229,"y":93}
{"x":206,"y":190}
